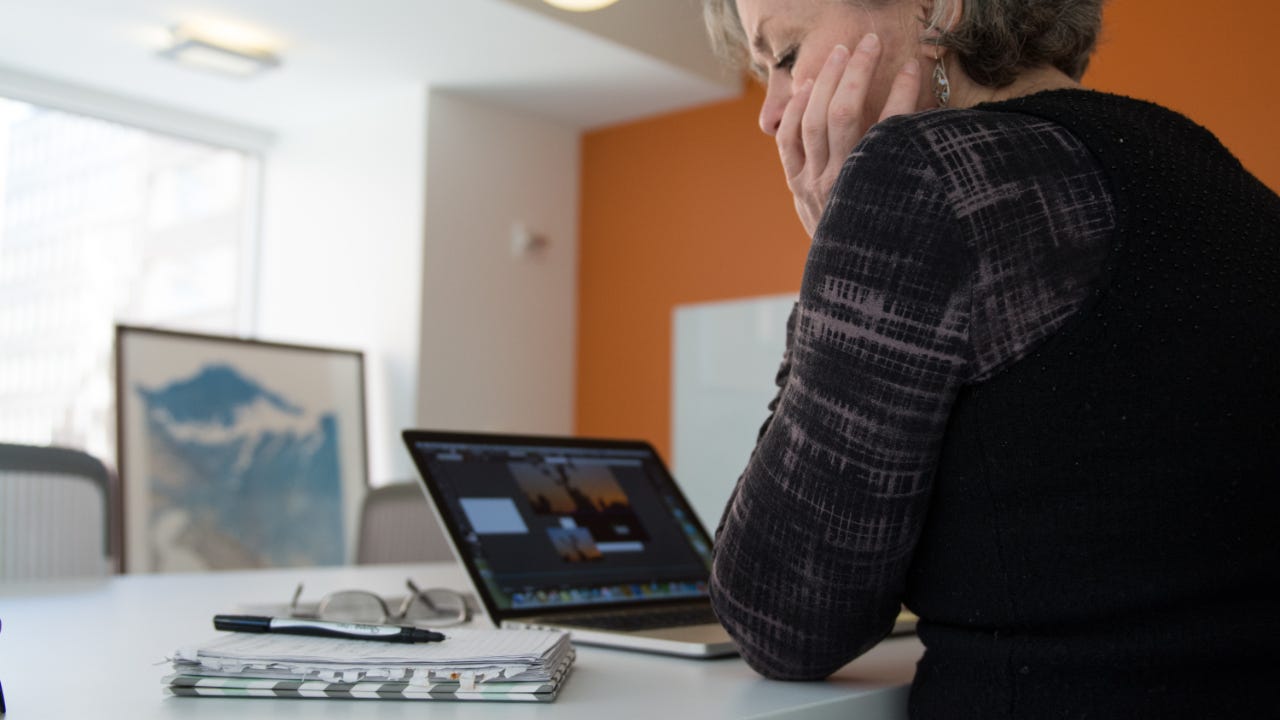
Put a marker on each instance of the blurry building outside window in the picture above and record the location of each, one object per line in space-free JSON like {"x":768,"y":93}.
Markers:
{"x":103,"y":223}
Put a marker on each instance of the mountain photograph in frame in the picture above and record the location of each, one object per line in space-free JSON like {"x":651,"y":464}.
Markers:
{"x":237,"y":454}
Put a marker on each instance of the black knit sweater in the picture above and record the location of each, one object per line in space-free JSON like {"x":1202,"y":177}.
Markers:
{"x":1030,"y":391}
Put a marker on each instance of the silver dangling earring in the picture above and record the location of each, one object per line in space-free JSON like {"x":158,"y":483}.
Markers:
{"x":941,"y":83}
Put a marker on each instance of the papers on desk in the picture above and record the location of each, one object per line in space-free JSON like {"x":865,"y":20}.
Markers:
{"x":471,"y":664}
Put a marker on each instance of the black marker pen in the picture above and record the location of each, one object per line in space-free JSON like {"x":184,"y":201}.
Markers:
{"x":324,"y":628}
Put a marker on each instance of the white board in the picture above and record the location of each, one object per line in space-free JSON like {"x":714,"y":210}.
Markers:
{"x":726,"y":355}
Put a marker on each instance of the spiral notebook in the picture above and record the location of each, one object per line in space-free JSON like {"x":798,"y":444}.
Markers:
{"x":471,"y":664}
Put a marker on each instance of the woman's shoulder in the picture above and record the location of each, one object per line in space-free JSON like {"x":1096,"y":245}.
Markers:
{"x":1080,"y":106}
{"x":957,"y":147}
{"x":948,"y":132}
{"x":1112,"y":126}
{"x":1062,"y":118}
{"x":1137,"y":141}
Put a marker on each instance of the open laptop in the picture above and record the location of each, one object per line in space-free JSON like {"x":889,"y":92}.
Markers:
{"x":590,"y":536}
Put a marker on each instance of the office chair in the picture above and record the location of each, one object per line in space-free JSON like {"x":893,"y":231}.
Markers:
{"x":57,"y":514}
{"x":397,"y":525}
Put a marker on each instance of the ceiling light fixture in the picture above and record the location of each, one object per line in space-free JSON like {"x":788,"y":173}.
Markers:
{"x":580,"y":5}
{"x":199,"y":51}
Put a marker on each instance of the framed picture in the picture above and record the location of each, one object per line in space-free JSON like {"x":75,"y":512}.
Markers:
{"x":237,"y":453}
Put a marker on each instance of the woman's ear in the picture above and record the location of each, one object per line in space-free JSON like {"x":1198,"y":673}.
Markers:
{"x":938,"y":17}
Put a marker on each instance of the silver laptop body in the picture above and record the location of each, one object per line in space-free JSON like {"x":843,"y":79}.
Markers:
{"x":590,"y":536}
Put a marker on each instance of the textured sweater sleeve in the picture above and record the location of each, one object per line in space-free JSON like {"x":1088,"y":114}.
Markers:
{"x":927,"y":272}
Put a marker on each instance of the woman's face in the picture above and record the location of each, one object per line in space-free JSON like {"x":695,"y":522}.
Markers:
{"x":790,"y":41}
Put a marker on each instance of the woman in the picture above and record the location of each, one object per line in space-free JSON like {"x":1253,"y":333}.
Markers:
{"x":1030,"y":387}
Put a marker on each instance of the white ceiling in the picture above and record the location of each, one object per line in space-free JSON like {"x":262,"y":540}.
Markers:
{"x":337,"y":52}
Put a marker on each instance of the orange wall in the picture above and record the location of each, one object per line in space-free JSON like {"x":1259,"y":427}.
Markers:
{"x":691,"y":207}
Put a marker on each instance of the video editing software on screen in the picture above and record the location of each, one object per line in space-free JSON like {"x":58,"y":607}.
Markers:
{"x":550,"y":526}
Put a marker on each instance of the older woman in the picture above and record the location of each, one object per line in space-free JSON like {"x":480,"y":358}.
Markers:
{"x":1030,"y":387}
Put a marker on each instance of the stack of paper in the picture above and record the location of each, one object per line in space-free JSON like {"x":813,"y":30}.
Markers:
{"x":471,"y":664}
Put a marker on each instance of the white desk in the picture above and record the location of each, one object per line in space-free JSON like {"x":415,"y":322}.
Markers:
{"x":97,"y":649}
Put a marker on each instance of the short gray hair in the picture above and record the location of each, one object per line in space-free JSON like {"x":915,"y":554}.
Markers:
{"x":994,"y":40}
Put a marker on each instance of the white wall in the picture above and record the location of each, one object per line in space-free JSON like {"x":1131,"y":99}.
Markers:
{"x":498,"y":332}
{"x":342,"y":249}
{"x":387,"y":229}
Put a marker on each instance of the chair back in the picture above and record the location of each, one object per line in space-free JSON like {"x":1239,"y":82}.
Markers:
{"x":56,"y":514}
{"x":397,"y":525}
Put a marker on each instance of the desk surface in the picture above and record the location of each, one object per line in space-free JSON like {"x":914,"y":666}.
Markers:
{"x":97,"y":649}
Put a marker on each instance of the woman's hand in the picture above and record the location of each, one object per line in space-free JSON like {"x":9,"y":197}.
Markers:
{"x":824,"y":120}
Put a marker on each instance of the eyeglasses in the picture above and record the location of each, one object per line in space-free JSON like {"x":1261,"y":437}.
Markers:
{"x":434,"y":607}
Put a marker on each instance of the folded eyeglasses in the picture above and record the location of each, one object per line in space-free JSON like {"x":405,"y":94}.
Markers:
{"x":433,"y":607}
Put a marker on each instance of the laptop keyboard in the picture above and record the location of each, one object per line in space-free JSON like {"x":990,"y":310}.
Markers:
{"x":645,"y":619}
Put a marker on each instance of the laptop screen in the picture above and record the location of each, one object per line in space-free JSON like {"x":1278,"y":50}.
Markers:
{"x":551,"y":523}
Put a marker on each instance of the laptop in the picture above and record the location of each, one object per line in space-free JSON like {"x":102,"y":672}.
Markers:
{"x":585,"y":535}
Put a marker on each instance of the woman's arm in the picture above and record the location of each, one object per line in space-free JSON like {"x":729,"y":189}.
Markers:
{"x":812,"y":552}
{"x":955,"y":243}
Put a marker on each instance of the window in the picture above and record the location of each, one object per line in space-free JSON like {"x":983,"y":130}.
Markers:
{"x":103,"y":223}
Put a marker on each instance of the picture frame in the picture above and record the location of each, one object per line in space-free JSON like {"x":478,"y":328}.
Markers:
{"x":236,"y":453}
